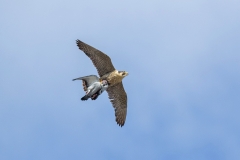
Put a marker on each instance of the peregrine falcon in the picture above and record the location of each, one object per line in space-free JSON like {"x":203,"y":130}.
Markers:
{"x":106,"y":71}
{"x":92,"y":86}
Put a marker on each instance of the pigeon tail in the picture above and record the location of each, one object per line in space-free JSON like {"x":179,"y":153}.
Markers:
{"x":84,"y":98}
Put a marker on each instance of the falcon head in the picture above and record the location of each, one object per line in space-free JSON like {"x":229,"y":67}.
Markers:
{"x":122,"y":74}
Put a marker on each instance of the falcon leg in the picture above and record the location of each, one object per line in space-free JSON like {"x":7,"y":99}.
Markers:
{"x":95,"y":96}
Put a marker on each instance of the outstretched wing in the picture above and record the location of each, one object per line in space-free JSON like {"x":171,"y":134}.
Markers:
{"x":100,"y":60}
{"x":118,"y":97}
{"x":87,"y":81}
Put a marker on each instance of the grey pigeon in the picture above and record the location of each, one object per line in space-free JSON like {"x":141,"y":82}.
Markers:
{"x":92,"y":86}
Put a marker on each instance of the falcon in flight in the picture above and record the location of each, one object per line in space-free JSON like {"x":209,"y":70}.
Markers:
{"x":113,"y":77}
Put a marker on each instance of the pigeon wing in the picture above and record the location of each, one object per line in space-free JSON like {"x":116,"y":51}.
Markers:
{"x":87,"y":81}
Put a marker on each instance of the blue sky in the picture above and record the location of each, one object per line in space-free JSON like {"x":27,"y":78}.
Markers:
{"x":183,"y":87}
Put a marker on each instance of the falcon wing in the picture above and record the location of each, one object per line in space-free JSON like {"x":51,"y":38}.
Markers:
{"x":100,"y":60}
{"x":87,"y":81}
{"x":118,"y":97}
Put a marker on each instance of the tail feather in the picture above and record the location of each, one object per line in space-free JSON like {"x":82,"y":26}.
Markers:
{"x":84,"y":98}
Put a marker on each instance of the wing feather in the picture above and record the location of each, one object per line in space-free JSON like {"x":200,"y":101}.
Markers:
{"x":100,"y":60}
{"x":118,"y":98}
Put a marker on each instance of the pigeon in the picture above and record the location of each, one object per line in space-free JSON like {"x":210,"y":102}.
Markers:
{"x":92,"y":86}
